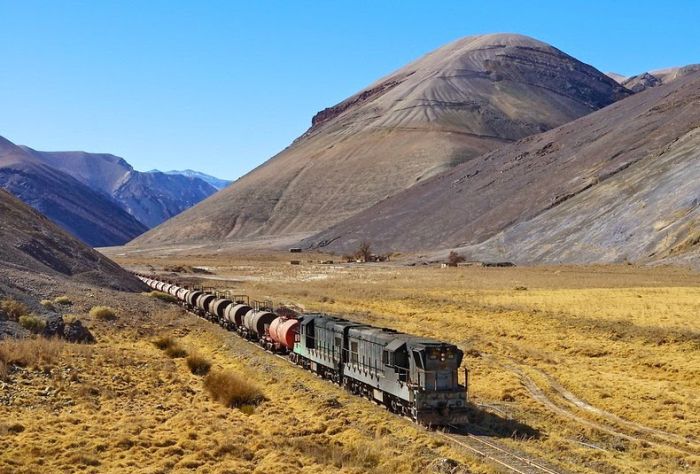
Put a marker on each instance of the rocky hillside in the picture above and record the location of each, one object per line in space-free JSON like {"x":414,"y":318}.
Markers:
{"x":447,"y":108}
{"x":646,"y":80}
{"x":150,"y":197}
{"x":30,"y":242}
{"x":619,"y":184}
{"x":91,"y":216}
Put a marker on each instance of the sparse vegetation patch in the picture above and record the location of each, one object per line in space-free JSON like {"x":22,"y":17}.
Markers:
{"x":13,"y":309}
{"x":63,"y":300}
{"x":232,"y":390}
{"x":103,"y":313}
{"x":162,"y":296}
{"x":198,"y":365}
{"x":32,"y":323}
{"x":48,"y":304}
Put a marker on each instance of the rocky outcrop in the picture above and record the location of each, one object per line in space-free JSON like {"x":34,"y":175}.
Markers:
{"x":641,"y":82}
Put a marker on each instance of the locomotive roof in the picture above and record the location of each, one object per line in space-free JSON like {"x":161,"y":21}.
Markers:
{"x":379,"y":335}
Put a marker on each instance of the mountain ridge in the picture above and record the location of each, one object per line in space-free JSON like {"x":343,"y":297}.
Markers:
{"x":151,"y":198}
{"x":540,"y":200}
{"x":450,"y":106}
{"x":89,"y":215}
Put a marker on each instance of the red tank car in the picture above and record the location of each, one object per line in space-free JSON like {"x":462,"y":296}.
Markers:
{"x":282,"y":332}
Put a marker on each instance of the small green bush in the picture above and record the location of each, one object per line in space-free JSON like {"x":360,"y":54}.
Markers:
{"x":63,"y":300}
{"x":162,"y":296}
{"x":198,"y":365}
{"x":104,"y":313}
{"x":32,"y":323}
{"x":13,"y":309}
{"x":48,"y":304}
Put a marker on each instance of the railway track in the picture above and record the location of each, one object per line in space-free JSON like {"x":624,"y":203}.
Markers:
{"x":504,"y":457}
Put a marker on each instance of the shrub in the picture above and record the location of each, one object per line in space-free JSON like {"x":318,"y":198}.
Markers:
{"x":454,"y":258}
{"x":70,"y":318}
{"x":198,"y":365}
{"x":48,"y":304}
{"x":13,"y":308}
{"x":175,"y":351}
{"x":63,"y":300}
{"x":32,"y":323}
{"x":162,"y":296}
{"x":164,"y":342}
{"x":104,"y":313}
{"x":29,"y":352}
{"x":231,"y":390}
{"x":247,"y":409}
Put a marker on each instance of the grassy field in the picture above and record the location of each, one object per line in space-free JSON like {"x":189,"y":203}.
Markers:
{"x":163,"y":391}
{"x":602,"y":363}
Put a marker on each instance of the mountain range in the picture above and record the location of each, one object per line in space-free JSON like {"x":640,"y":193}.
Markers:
{"x":90,"y":215}
{"x":499,"y":146}
{"x":447,"y":108}
{"x":218,"y":183}
{"x":97,"y":197}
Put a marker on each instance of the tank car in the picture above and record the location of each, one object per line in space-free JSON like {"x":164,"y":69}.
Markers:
{"x":234,"y":315}
{"x":281,"y":334}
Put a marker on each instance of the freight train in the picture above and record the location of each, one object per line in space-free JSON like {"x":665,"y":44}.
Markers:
{"x":412,"y":376}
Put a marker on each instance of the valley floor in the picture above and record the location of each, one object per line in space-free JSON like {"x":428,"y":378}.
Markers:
{"x":598,"y":367}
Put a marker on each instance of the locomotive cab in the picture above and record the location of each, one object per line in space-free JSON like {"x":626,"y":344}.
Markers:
{"x":437,"y":392}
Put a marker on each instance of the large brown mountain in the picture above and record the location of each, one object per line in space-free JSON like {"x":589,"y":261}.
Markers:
{"x":449,"y":107}
{"x":31,"y":243}
{"x":620,"y":183}
{"x":89,"y":215}
{"x":150,"y":197}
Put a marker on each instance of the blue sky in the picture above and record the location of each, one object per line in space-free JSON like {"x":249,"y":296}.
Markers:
{"x":221,"y":86}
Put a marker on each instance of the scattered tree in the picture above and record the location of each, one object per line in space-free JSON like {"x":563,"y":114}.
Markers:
{"x":364,"y":251}
{"x":454,"y":258}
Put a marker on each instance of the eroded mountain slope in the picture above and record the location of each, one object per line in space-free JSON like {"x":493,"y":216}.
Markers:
{"x":452,"y":105}
{"x":621,"y":183}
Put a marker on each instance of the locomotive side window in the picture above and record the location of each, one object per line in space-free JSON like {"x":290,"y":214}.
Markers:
{"x":385,"y":358}
{"x":353,"y":352}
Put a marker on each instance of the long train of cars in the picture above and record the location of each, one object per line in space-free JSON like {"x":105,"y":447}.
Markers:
{"x":412,"y":376}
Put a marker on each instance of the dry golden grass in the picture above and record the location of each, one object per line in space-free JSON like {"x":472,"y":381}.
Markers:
{"x":63,"y":300}
{"x":32,"y":323}
{"x":31,"y":353}
{"x":168,"y":298}
{"x":122,"y":405}
{"x":198,"y":365}
{"x":232,"y":390}
{"x":13,"y":309}
{"x":602,"y":361}
{"x":103,"y":313}
{"x":48,"y":304}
